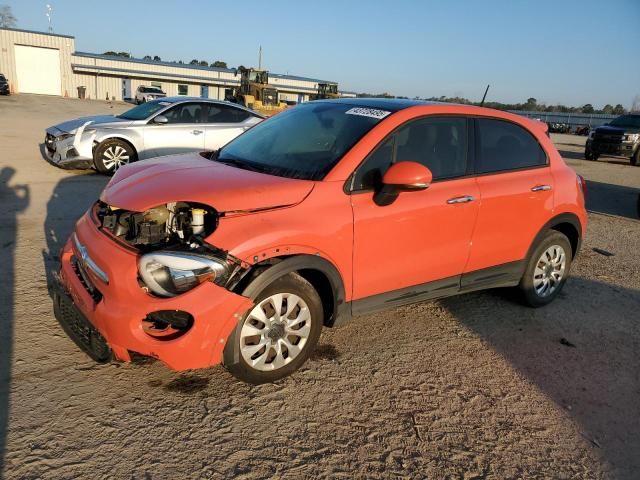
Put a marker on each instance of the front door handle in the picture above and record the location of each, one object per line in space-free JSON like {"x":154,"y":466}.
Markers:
{"x":463,"y":199}
{"x":197,"y":132}
{"x":541,"y":188}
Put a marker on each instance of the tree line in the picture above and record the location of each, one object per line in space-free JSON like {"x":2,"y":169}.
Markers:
{"x":531,"y":104}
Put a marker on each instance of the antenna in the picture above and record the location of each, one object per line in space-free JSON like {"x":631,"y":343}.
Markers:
{"x":50,"y":16}
{"x":260,"y":58}
{"x":485,"y":95}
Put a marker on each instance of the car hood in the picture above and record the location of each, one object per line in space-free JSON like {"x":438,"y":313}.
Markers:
{"x":193,"y":178}
{"x":103,"y":120}
{"x":611,"y":130}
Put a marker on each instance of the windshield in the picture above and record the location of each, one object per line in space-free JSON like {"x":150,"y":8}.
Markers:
{"x":303,"y":142}
{"x":150,"y":90}
{"x":628,"y":121}
{"x":144,"y":111}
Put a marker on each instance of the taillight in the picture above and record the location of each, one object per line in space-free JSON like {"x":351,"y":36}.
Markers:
{"x":583,"y":186}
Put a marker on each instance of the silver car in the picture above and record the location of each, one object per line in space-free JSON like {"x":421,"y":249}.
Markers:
{"x":159,"y":127}
{"x":145,"y":94}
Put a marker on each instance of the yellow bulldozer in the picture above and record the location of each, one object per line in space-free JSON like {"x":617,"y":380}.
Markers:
{"x":325,"y":90}
{"x":255,"y":92}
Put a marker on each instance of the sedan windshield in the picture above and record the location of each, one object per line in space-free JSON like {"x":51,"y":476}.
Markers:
{"x":303,"y":142}
{"x":627,"y":121}
{"x":150,"y":90}
{"x":144,"y":111}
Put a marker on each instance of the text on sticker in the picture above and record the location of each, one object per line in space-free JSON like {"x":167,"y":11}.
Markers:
{"x":368,"y":112}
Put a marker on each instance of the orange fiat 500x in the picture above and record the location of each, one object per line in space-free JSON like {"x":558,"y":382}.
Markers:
{"x":327,"y":210}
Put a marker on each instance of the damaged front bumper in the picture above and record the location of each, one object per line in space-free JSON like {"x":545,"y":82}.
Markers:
{"x":68,"y":150}
{"x":116,"y":307}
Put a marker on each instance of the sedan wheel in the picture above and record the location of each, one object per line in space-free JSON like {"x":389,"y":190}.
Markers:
{"x":110,"y":155}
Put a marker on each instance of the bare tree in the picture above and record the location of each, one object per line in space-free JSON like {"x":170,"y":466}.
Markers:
{"x":7,"y":18}
{"x":635,"y":105}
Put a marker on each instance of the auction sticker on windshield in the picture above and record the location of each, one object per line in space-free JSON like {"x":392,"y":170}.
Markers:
{"x":368,"y":112}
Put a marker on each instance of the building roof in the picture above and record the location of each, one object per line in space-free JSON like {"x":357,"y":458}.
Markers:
{"x":36,"y":32}
{"x":189,"y":66}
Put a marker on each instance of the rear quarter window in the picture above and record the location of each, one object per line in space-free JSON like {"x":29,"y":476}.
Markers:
{"x":504,"y":146}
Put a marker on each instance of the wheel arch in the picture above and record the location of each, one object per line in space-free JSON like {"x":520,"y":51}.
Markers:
{"x":318,"y":271}
{"x":566,"y":223}
{"x":122,"y":138}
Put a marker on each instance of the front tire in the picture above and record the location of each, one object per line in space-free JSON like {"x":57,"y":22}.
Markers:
{"x":277,"y":335}
{"x":635,"y":160}
{"x":112,"y":154}
{"x":547,"y":270}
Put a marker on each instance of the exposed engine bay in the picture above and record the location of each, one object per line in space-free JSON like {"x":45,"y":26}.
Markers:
{"x":170,"y":238}
{"x":165,"y":226}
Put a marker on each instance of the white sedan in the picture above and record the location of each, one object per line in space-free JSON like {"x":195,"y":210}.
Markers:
{"x":159,"y":127}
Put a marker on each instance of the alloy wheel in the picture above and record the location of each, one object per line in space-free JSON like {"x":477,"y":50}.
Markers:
{"x":114,"y":157}
{"x":275,"y":332}
{"x":549,"y":270}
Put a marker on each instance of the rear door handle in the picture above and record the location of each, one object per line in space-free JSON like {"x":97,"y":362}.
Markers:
{"x":197,"y":132}
{"x":541,"y":188}
{"x":463,"y":199}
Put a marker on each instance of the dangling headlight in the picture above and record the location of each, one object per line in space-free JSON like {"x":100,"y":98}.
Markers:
{"x":168,"y":274}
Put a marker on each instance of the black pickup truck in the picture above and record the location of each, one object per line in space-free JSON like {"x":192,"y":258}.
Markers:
{"x":620,"y":137}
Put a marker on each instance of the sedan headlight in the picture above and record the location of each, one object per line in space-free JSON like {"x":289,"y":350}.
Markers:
{"x":64,"y":136}
{"x":591,"y":134}
{"x":168,"y":274}
{"x":632,"y":137}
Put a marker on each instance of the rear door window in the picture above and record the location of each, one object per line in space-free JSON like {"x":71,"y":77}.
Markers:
{"x":225,"y":114}
{"x":185,"y":113}
{"x":503,"y":146}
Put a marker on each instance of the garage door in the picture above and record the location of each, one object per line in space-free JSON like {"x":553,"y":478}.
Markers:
{"x":38,"y":70}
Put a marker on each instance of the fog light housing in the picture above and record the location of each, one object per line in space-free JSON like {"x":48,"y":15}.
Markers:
{"x":168,"y":274}
{"x":167,"y":324}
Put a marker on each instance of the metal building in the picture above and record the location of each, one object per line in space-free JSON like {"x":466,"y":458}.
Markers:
{"x":47,"y":63}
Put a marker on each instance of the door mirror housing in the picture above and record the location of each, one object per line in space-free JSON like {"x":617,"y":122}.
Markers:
{"x":161,"y":119}
{"x":402,"y":177}
{"x":407,"y":176}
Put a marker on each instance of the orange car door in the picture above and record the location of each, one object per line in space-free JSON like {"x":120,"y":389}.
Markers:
{"x":516,"y":191}
{"x":422,"y":236}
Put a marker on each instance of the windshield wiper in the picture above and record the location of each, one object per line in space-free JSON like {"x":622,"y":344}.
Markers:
{"x":243,"y":164}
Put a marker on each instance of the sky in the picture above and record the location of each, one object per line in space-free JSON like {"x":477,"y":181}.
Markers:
{"x":561,"y":51}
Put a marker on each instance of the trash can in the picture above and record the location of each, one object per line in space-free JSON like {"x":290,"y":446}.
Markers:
{"x":82,"y":92}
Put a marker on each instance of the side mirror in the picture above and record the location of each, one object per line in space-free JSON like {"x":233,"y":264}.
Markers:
{"x":402,"y":177}
{"x":161,"y":119}
{"x":407,"y":177}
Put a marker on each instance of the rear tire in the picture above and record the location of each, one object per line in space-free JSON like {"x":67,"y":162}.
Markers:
{"x":547,"y":270}
{"x":277,"y":335}
{"x":113,"y":154}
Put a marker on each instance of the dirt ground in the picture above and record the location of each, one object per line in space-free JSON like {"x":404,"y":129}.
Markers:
{"x":471,"y":387}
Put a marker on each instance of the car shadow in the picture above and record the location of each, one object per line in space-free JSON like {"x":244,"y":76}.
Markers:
{"x":14,"y":199}
{"x":613,"y":199}
{"x":70,"y":199}
{"x":580,"y":351}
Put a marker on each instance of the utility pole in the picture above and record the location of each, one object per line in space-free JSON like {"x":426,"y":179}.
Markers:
{"x":260,"y":58}
{"x":49,"y":16}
